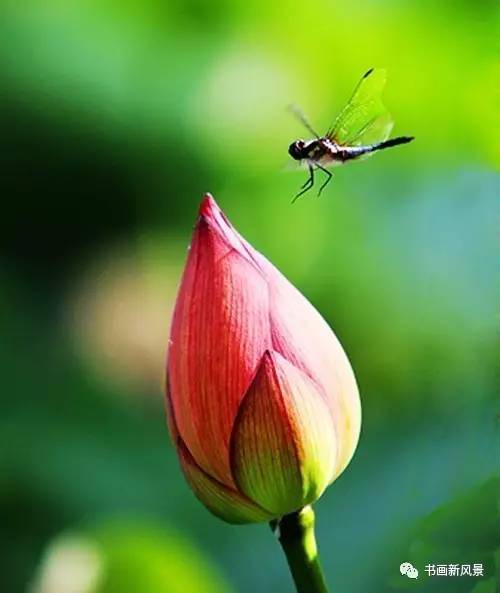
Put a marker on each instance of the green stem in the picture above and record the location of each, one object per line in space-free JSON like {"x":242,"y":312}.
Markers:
{"x":296,"y":535}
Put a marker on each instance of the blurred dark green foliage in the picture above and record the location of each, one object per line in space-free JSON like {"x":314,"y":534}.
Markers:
{"x":114,"y":118}
{"x":126,"y":556}
{"x":462,"y":530}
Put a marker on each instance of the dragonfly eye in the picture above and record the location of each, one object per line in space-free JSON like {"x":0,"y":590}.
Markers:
{"x":295,"y":150}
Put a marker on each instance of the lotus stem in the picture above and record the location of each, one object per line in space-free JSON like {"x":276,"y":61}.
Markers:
{"x":296,"y":536}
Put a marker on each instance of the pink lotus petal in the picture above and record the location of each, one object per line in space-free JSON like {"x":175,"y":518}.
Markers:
{"x":283,"y":447}
{"x":226,"y":503}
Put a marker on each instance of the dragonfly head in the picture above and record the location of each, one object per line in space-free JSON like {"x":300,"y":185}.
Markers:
{"x":296,"y":149}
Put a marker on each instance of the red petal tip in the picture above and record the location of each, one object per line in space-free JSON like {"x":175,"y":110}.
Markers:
{"x":208,"y":206}
{"x":212,"y":217}
{"x":267,"y":357}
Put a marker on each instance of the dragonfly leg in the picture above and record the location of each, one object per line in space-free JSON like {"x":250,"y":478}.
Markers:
{"x":307,"y":185}
{"x":309,"y":181}
{"x":328,"y":179}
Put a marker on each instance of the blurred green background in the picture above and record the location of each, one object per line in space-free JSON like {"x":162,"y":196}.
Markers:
{"x":115,"y":117}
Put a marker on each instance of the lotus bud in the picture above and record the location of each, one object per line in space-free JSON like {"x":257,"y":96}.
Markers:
{"x":262,"y":402}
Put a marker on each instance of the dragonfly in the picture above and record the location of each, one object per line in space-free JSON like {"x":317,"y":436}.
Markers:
{"x":360,"y":129}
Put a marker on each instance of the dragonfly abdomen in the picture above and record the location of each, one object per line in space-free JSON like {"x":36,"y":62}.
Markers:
{"x":353,"y":152}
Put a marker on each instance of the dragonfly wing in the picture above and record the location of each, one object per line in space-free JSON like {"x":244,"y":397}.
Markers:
{"x":376,"y":130}
{"x":299,"y":114}
{"x":364,"y":119}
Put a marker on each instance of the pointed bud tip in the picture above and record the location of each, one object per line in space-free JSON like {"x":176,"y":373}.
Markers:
{"x":267,"y":364}
{"x":211,"y":216}
{"x":267,"y":358}
{"x":208,"y":206}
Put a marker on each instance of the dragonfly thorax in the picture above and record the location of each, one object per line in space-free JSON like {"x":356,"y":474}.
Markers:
{"x":312,"y":150}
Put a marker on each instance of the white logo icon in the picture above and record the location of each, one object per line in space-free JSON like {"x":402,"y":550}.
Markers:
{"x":409,"y":570}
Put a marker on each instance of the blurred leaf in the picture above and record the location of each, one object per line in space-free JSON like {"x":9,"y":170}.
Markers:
{"x":464,"y":531}
{"x":125,"y":557}
{"x":485,"y":587}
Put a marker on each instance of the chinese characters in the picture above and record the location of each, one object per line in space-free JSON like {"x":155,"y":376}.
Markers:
{"x":454,"y":570}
